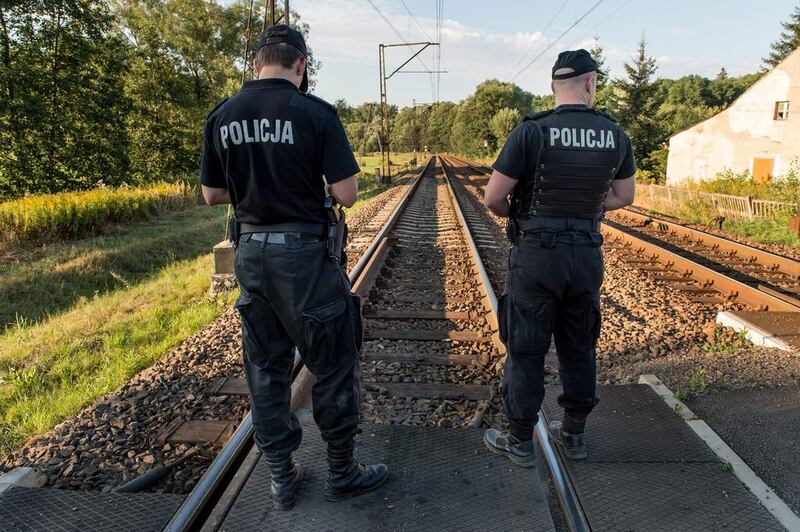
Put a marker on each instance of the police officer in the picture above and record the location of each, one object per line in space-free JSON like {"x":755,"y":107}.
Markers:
{"x":562,"y":168}
{"x":266,"y":151}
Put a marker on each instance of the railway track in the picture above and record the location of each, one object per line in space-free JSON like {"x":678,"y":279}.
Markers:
{"x":430,"y":343}
{"x":710,"y":269}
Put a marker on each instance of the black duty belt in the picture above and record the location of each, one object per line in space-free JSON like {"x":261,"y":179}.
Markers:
{"x":542,"y":223}
{"x":319,"y":229}
{"x":280,"y":237}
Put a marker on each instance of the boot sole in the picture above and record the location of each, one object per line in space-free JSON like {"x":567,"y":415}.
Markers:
{"x":288,"y":505}
{"x":525,"y":462}
{"x":351,"y":494}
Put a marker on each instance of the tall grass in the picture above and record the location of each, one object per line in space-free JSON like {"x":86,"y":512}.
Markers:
{"x":75,"y":214}
{"x":785,"y":188}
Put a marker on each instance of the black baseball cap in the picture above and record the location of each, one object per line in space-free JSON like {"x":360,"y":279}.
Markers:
{"x":282,"y":33}
{"x":580,"y":61}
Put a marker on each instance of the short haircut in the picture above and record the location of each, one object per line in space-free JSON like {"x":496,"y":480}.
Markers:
{"x":279,"y":54}
{"x":571,"y":83}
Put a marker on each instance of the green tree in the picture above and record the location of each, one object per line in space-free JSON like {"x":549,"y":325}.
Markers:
{"x":472,"y":134}
{"x":636,"y":105}
{"x":598,"y":55}
{"x":503,"y":122}
{"x":788,"y":42}
{"x":440,"y":126}
{"x":62,"y":114}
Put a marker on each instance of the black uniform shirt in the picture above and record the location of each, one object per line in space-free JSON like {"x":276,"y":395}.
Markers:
{"x":270,"y":145}
{"x":518,"y":157}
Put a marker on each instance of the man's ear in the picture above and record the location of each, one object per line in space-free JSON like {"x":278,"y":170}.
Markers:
{"x":553,"y":86}
{"x":256,"y":67}
{"x":301,"y":66}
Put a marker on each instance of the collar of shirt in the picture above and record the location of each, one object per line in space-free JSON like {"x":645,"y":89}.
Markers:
{"x":573,"y":106}
{"x":269,"y":83}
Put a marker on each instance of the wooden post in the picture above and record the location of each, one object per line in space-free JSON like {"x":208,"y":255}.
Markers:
{"x":749,"y":206}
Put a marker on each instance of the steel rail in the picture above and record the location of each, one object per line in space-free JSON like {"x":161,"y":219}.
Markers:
{"x":754,"y":297}
{"x":760,"y":256}
{"x":570,"y":505}
{"x":189,"y":513}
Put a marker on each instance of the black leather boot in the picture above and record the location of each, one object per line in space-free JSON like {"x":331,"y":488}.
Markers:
{"x":286,"y":477}
{"x":569,"y":435}
{"x":347,"y":477}
{"x":502,"y":442}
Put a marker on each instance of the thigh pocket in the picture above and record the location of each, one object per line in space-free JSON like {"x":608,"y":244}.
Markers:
{"x":529,"y":326}
{"x":358,"y":321}
{"x":255,"y":333}
{"x":592,"y":323}
{"x":323,"y":327}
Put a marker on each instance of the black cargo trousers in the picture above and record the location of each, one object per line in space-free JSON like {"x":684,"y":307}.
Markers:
{"x":552,"y":289}
{"x":291,"y":295}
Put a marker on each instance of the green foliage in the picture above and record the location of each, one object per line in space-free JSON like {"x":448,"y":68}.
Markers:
{"x":502,"y":123}
{"x":472,"y":132}
{"x":697,"y":381}
{"x":115,"y":92}
{"x":725,"y":342}
{"x":440,"y":126}
{"x":788,"y":42}
{"x":727,"y":467}
{"x":783,"y":189}
{"x":75,"y":214}
{"x":61,"y":111}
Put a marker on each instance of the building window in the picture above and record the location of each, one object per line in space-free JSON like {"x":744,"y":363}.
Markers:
{"x":781,"y":110}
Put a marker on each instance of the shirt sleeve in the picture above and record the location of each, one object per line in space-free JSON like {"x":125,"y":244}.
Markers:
{"x":628,"y":167}
{"x":211,"y":172}
{"x":517,"y":159}
{"x":338,"y":161}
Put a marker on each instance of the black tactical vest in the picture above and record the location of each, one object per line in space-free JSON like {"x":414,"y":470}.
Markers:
{"x":580,"y":152}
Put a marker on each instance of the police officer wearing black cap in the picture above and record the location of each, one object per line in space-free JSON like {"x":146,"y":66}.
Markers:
{"x":270,"y":150}
{"x":562,"y":169}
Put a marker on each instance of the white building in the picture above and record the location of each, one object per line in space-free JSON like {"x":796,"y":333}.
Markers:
{"x":759,"y":132}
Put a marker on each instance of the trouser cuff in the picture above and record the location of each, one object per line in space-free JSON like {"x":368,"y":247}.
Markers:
{"x":574,"y":423}
{"x":523,"y":431}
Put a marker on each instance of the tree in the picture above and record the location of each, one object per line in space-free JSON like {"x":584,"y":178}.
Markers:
{"x":637,"y":104}
{"x":440,"y":126}
{"x":599,"y":56}
{"x":788,"y":42}
{"x":62,"y":113}
{"x":472,"y":134}
{"x":503,"y":122}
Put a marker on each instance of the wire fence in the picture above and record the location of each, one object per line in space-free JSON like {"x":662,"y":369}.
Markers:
{"x":738,"y":207}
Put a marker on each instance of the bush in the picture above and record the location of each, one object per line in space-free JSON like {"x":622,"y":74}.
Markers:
{"x":783,"y":188}
{"x":75,"y":214}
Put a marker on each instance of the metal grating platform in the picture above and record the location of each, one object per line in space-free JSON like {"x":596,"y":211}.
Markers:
{"x":33,"y":509}
{"x":441,"y":479}
{"x":647,"y":470}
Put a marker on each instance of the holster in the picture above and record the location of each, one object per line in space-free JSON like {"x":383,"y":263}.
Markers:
{"x":512,"y":231}
{"x":234,"y":230}
{"x":337,"y":230}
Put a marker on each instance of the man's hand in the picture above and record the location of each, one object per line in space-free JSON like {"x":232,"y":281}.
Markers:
{"x":621,"y":193}
{"x":215,"y":196}
{"x":498,"y":189}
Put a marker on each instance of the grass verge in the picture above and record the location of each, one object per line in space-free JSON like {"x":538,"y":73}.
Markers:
{"x":38,"y":283}
{"x":50,"y":371}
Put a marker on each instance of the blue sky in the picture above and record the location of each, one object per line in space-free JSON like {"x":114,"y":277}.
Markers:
{"x":484,"y":40}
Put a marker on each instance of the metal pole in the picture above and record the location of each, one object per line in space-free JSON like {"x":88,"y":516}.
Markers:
{"x":271,"y":12}
{"x":286,"y":11}
{"x":384,"y":117}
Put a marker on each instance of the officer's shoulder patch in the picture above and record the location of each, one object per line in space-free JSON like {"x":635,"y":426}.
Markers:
{"x":214,"y":110}
{"x":606,"y":115}
{"x":313,"y":104}
{"x":537,"y":116}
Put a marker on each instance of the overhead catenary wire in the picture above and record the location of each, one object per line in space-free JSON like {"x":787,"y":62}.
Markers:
{"x":563,"y":34}
{"x":399,"y":35}
{"x":609,"y":17}
{"x":542,"y":33}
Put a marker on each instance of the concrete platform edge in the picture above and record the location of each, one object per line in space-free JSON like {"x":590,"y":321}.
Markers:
{"x":768,"y":498}
{"x":755,"y":334}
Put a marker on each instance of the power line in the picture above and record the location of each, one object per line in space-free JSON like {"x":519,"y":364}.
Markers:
{"x":595,"y":6}
{"x":529,"y":50}
{"x":620,"y":8}
{"x":417,"y":21}
{"x":399,"y":35}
